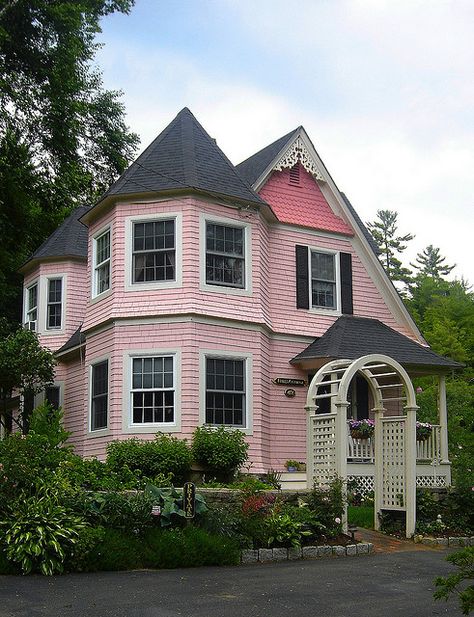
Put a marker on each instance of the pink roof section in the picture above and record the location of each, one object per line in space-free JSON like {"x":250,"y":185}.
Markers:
{"x":301,"y":204}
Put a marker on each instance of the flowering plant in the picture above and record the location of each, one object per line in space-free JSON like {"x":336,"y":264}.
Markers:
{"x":423,"y":430}
{"x":361,"y":429}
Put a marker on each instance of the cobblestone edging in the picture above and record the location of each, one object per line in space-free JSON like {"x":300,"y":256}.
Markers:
{"x":264,"y":555}
{"x":458,"y":542}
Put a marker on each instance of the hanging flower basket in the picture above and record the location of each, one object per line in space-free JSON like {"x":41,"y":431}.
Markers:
{"x":423,"y":431}
{"x":361,"y":429}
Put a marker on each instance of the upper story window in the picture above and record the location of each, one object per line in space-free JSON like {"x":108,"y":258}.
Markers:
{"x":54,"y":308}
{"x":153,"y":390}
{"x":32,"y":306}
{"x":323,"y":280}
{"x":99,"y":395}
{"x":101,"y":263}
{"x":225,"y":391}
{"x":225,"y":255}
{"x":154,"y":251}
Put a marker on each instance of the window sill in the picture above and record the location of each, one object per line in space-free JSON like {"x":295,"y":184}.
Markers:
{"x":222,"y":289}
{"x":151,"y":428}
{"x":153,"y":285}
{"x":101,"y":296}
{"x":102,"y":432}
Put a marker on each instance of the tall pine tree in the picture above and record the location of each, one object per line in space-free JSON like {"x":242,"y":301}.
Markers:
{"x":430,"y":263}
{"x":63,"y":137}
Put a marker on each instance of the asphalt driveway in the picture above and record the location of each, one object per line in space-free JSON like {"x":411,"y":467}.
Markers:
{"x":380,"y":585}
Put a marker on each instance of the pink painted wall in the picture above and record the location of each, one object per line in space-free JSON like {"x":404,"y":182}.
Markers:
{"x":75,"y":298}
{"x":301,"y":204}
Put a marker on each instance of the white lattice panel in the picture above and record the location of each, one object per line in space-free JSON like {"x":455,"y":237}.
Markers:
{"x":393,"y":453}
{"x":365,"y":484}
{"x":324,"y":449}
{"x":431,"y":482}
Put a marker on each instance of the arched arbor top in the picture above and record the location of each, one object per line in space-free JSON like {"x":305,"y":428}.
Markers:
{"x":381,"y":372}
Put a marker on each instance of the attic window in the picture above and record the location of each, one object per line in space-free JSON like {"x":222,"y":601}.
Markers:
{"x":295,"y":174}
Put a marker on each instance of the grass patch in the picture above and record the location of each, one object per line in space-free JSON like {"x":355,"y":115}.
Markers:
{"x":361,"y":516}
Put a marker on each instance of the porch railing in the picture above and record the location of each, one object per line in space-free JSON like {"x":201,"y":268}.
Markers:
{"x":363,"y":450}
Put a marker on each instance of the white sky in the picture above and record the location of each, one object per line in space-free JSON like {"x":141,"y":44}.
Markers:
{"x":384,"y":88}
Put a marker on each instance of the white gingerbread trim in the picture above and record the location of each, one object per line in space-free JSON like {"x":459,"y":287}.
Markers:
{"x":298,"y":153}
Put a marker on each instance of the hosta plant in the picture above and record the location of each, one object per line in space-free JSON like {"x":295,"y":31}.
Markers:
{"x":39,"y":534}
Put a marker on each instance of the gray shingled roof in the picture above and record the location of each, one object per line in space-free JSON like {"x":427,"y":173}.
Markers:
{"x":363,"y":228}
{"x":78,"y":338}
{"x":184,"y":156}
{"x":252,"y":168}
{"x":68,"y":240}
{"x":352,"y":337}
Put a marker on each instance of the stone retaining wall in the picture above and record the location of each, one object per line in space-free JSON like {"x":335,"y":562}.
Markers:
{"x":217,"y":496}
{"x":264,"y":555}
{"x":458,"y":542}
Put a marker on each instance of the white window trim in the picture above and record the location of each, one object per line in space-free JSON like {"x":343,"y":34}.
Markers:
{"x":205,"y":218}
{"x":231,"y":355}
{"x":44,"y":304}
{"x":98,"y":296}
{"x":164,"y":427}
{"x":40,"y":397}
{"x":321,"y":310}
{"x":34,"y":282}
{"x":102,"y":431}
{"x":146,"y":218}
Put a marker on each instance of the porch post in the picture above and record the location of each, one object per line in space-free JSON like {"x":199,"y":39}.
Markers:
{"x":311,"y":410}
{"x":378,"y":467}
{"x":341,"y":452}
{"x":443,"y":418}
{"x":410,"y":470}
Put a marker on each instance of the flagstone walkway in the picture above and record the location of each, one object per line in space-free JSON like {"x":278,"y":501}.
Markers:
{"x":388,"y":544}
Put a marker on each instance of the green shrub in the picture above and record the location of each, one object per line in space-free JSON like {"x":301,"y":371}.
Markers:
{"x":327,"y":505}
{"x":47,"y":421}
{"x":83,"y":557}
{"x":116,"y":550}
{"x":361,"y":516}
{"x":307,"y":518}
{"x":458,"y":582}
{"x":38,"y":533}
{"x":164,"y":455}
{"x":122,"y":511}
{"x":6,"y":566}
{"x":283,"y":530}
{"x":221,"y":451}
{"x":183,"y":548}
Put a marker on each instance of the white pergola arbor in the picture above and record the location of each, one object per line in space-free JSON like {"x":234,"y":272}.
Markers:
{"x":395,"y":435}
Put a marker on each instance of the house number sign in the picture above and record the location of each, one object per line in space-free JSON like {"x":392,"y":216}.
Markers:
{"x":189,"y":499}
{"x":284,"y":381}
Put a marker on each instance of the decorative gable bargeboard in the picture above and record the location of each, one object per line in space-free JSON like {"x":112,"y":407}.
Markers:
{"x":193,"y":285}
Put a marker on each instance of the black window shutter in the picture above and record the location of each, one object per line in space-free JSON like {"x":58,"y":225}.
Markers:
{"x":346,"y":283}
{"x":302,"y":277}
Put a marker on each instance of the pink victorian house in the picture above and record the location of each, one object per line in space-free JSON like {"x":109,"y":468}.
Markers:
{"x":199,"y":292}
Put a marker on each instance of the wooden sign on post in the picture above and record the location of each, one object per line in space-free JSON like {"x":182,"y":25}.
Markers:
{"x":189,"y":499}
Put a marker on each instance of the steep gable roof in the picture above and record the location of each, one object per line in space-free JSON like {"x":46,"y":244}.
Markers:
{"x":68,"y":240}
{"x":352,"y":337}
{"x":252,"y":168}
{"x":184,"y":156}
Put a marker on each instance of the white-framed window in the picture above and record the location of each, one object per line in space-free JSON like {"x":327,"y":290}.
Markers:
{"x":99,"y":395}
{"x":151,"y":391}
{"x":153,"y":251}
{"x":324,"y":272}
{"x":225,"y":255}
{"x":54,"y":305}
{"x":31,"y":308}
{"x":226,"y":389}
{"x":101,"y":254}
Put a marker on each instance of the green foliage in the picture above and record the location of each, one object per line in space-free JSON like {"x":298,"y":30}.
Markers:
{"x":327,"y":504}
{"x":384,"y":231}
{"x":284,"y":530}
{"x":48,"y":422}
{"x":38,"y":533}
{"x":116,"y":550}
{"x":189,"y":547}
{"x":222,"y":451}
{"x":458,"y":582}
{"x":83,"y":557}
{"x":431,"y":263}
{"x":165,"y":455}
{"x":170,"y":501}
{"x":63,"y":138}
{"x":25,"y":366}
{"x":361,"y":516}
{"x":117,"y":510}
